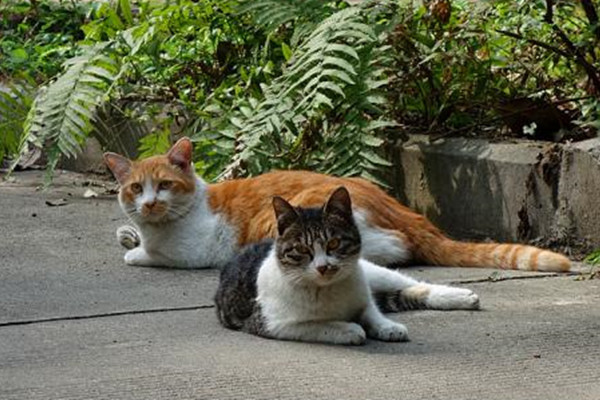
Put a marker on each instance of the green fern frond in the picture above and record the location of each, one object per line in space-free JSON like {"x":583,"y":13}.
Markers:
{"x":61,"y":115}
{"x":271,"y":14}
{"x":60,"y":118}
{"x":15,"y":102}
{"x":324,"y":111}
{"x":154,"y":143}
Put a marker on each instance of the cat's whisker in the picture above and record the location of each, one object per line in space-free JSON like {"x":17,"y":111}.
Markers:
{"x":181,"y":210}
{"x":296,"y":279}
{"x":176,"y":213}
{"x":132,"y":214}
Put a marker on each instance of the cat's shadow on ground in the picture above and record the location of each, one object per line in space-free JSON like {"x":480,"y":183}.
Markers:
{"x":371,"y":346}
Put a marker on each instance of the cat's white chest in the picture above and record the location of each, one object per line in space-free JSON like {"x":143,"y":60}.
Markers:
{"x":282,"y":303}
{"x":199,"y":239}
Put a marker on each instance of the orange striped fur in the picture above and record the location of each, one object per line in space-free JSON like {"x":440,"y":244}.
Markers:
{"x":247,"y":205}
{"x":159,"y":170}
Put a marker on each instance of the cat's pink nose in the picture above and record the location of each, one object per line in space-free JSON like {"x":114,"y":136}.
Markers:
{"x":148,"y":208}
{"x":323,"y":269}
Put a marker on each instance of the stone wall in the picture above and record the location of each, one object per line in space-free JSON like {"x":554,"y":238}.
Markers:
{"x":522,"y":191}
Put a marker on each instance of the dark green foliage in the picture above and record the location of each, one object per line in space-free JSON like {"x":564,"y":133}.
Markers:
{"x":593,"y":258}
{"x":323,"y":111}
{"x":37,"y":36}
{"x":15,"y":102}
{"x":262,"y":84}
{"x":496,"y":63}
{"x":62,"y":113}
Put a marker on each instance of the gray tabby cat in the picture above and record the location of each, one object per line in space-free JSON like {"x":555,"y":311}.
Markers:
{"x":311,"y":285}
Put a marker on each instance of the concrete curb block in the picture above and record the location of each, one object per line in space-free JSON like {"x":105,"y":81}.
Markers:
{"x":522,"y":191}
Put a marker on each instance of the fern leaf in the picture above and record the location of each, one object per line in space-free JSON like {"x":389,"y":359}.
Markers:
{"x":15,"y":103}
{"x":271,"y":14}
{"x":323,"y":111}
{"x":343,"y":48}
{"x":61,"y":115}
{"x":340,"y":63}
{"x":374,"y":158}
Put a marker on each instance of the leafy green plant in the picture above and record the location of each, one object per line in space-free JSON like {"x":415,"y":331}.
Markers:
{"x":62,"y":113}
{"x":594,"y":273}
{"x":15,"y":102}
{"x":155,"y":143}
{"x":37,"y":36}
{"x":493,"y":63}
{"x":174,"y":53}
{"x":313,"y":84}
{"x":593,"y":258}
{"x":323,"y":111}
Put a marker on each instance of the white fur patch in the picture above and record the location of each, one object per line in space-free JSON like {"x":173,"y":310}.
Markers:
{"x":389,"y":331}
{"x":149,"y":195}
{"x":385,"y":280}
{"x":281,"y":301}
{"x":437,"y":297}
{"x":304,"y":311}
{"x":378,"y":245}
{"x":524,"y":258}
{"x":548,"y":261}
{"x":198,"y":238}
{"x":451,"y":298}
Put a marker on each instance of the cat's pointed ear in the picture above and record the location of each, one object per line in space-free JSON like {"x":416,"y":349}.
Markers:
{"x":339,"y":203}
{"x":120,"y":166}
{"x":285,"y":213}
{"x":180,"y":154}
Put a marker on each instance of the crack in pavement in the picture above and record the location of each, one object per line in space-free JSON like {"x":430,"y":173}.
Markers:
{"x":489,"y":279}
{"x":104,"y":315}
{"x":492,"y":278}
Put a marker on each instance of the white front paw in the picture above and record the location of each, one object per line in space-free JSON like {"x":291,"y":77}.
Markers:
{"x":451,"y":298}
{"x":389,"y":331}
{"x":137,"y":256}
{"x":352,"y":334}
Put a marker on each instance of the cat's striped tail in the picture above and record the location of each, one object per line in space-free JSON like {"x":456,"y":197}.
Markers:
{"x":428,"y":244}
{"x":445,"y":251}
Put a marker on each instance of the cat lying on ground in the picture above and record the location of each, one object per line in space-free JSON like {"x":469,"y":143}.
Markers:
{"x":180,"y":221}
{"x":310,"y":284}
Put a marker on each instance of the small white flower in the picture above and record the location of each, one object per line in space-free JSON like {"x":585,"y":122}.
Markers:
{"x":529,"y":129}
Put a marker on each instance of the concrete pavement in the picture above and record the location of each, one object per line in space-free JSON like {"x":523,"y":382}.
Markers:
{"x":76,"y":323}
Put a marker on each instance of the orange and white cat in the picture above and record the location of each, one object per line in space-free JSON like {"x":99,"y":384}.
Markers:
{"x":181,"y":221}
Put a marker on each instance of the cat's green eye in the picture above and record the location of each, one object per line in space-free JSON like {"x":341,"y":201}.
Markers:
{"x":136,"y":188}
{"x":333,"y":244}
{"x":165,"y":185}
